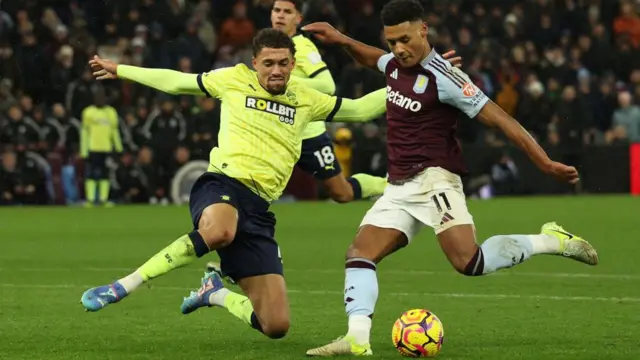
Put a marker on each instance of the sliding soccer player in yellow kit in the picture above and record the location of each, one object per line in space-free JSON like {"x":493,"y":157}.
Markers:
{"x":263,"y":118}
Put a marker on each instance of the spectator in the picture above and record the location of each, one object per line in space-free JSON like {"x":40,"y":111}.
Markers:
{"x":6,"y":98}
{"x":504,"y":176}
{"x":366,"y":25}
{"x":26,"y":104}
{"x":238,"y":30}
{"x":572,"y":119}
{"x":342,"y":148}
{"x":21,"y":132}
{"x":204,"y":128}
{"x":50,"y":131}
{"x":628,"y":23}
{"x":132,"y":181}
{"x":626,"y":58}
{"x":133,"y":134}
{"x":80,"y":94}
{"x":191,"y":47}
{"x":534,"y":110}
{"x":63,"y":73}
{"x":22,"y":179}
{"x":369,"y":155}
{"x":226,"y":58}
{"x":206,"y":30}
{"x":30,"y":55}
{"x":604,"y":106}
{"x":156,"y":192}
{"x":626,"y":120}
{"x":357,"y":81}
{"x":8,"y":179}
{"x":71,"y":128}
{"x":166,"y":129}
{"x":508,"y":97}
{"x":9,"y":66}
{"x":180,"y":157}
{"x":159,"y":52}
{"x":6,"y":24}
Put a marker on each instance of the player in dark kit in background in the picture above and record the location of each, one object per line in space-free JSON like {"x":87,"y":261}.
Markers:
{"x":425,"y":96}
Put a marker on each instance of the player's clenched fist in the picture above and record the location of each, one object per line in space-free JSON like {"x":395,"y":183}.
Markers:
{"x":563,"y":172}
{"x":325,"y":32}
{"x":103,"y":69}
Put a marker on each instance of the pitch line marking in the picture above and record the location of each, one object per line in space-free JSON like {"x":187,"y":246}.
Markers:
{"x":382,"y":271}
{"x":403,"y":294}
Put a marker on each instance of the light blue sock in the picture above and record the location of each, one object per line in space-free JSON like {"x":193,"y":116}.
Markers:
{"x":505,"y":251}
{"x":360,"y":296}
{"x":360,"y":287}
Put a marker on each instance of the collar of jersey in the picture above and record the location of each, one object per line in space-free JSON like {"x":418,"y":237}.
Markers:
{"x":429,"y":57}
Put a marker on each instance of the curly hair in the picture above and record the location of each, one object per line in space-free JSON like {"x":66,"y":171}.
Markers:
{"x":272,"y":38}
{"x":399,"y":11}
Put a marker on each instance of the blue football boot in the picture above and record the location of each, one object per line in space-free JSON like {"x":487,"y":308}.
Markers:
{"x":211,"y":283}
{"x":96,"y":298}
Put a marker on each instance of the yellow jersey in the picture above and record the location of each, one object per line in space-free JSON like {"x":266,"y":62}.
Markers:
{"x":260,"y":134}
{"x":309,"y":63}
{"x":100,"y":131}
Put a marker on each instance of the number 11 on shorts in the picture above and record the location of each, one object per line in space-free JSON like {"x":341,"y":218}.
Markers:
{"x":443,"y":196}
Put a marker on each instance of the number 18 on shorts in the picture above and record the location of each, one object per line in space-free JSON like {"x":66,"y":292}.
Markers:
{"x":318,"y":159}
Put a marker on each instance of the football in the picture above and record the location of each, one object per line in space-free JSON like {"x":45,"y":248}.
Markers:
{"x":418,"y":333}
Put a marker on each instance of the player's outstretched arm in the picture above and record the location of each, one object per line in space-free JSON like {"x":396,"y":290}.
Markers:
{"x":323,"y":82}
{"x":169,"y":81}
{"x":366,"y":108}
{"x":493,"y":116}
{"x":364,"y":54}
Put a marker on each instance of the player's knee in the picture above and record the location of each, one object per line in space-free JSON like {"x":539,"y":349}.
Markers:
{"x":461,"y":266}
{"x":217,"y":236}
{"x":277,"y":328}
{"x":356,"y":251}
{"x":470,"y":264}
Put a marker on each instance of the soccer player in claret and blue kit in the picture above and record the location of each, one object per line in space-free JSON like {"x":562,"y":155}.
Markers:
{"x":263,"y":116}
{"x":425,"y":96}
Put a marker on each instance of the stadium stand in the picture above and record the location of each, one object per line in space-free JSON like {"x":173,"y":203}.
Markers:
{"x":568,"y":70}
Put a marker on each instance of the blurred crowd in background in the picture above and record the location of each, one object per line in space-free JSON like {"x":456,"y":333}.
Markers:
{"x":568,"y":70}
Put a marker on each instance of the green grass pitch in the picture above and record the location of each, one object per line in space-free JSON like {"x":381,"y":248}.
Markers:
{"x":547,"y":308}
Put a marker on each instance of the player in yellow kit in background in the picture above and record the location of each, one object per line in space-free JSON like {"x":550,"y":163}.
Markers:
{"x":263,"y":116}
{"x":100,"y":137}
{"x":318,"y":156}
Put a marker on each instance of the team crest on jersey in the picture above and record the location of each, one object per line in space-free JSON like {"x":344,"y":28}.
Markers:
{"x":292,"y":98}
{"x":421,"y":84}
{"x":285,"y":113}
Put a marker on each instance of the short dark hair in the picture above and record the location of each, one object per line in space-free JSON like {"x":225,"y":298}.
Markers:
{"x":399,"y":11}
{"x":272,"y":38}
{"x":297,"y":3}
